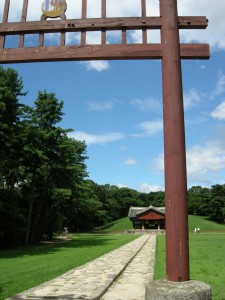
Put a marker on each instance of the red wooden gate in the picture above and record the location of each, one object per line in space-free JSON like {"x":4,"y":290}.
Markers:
{"x":170,"y":51}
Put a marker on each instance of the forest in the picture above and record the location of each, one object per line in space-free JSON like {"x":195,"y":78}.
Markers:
{"x":44,"y":184}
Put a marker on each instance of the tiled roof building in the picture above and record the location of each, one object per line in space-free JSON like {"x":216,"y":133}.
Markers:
{"x":147,"y":217}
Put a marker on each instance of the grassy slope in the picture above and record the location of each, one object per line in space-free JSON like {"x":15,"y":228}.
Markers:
{"x":204,"y":224}
{"x":194,"y":221}
{"x":116,"y":226}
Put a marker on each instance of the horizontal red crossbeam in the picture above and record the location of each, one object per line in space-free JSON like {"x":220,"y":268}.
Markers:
{"x":99,"y":52}
{"x":131,"y":23}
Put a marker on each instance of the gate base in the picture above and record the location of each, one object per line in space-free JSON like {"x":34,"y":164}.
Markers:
{"x":170,"y":290}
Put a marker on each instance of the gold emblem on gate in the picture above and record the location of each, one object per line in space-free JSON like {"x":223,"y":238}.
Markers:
{"x":53,"y":8}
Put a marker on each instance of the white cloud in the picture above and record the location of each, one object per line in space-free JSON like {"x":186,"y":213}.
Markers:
{"x":150,"y":128}
{"x":191,"y":98}
{"x":220,"y":86}
{"x":93,"y":37}
{"x":114,"y":37}
{"x":203,"y":162}
{"x":34,"y":9}
{"x":220,"y":134}
{"x":97,"y":139}
{"x":73,"y":38}
{"x":98,"y":65}
{"x":52,"y":39}
{"x":134,"y":36}
{"x":214,"y":11}
{"x":118,"y":8}
{"x":15,"y":10}
{"x":154,"y":36}
{"x":146,"y":105}
{"x":121,"y":185}
{"x":101,"y":106}
{"x":130,"y":161}
{"x":146,"y":188}
{"x":219,"y":112}
{"x":159,"y":162}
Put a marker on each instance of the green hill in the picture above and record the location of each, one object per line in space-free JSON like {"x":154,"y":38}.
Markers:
{"x":194,"y":221}
{"x":204,"y":224}
{"x":116,"y":226}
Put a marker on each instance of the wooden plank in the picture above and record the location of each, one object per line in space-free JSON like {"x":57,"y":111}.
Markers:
{"x":62,"y":38}
{"x":198,"y":22}
{"x":23,"y":19}
{"x":143,"y":14}
{"x":124,"y":36}
{"x":4,"y":21}
{"x":73,"y":25}
{"x":99,"y":52}
{"x":73,"y":53}
{"x":83,"y":16}
{"x":6,"y":11}
{"x":24,"y":11}
{"x":103,"y":33}
{"x":143,"y":8}
{"x":41,"y":39}
{"x":84,"y":9}
{"x":96,"y":24}
{"x":195,"y":51}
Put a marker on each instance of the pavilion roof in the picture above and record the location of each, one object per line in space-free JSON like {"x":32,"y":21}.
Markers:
{"x":135,"y":211}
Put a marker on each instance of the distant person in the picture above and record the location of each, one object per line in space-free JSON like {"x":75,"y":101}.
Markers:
{"x":65,"y":230}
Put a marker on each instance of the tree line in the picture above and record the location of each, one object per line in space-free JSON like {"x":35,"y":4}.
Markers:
{"x":44,"y":183}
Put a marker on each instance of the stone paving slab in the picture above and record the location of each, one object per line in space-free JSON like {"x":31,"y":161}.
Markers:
{"x":131,"y":284}
{"x":91,"y":280}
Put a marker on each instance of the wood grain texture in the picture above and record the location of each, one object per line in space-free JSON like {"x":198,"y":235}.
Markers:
{"x":98,"y":52}
{"x":97,"y":24}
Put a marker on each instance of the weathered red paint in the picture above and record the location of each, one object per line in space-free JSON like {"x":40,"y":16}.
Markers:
{"x":151,"y":215}
{"x":177,"y":249}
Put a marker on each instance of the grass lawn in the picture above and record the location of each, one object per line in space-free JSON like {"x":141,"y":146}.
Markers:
{"x":23,"y":268}
{"x":207,"y":261}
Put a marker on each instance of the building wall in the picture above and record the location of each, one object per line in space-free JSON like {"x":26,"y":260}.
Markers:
{"x":151,"y":215}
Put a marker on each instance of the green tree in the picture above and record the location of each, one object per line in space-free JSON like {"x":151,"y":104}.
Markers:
{"x":198,"y":200}
{"x":216,"y":208}
{"x":11,"y":202}
{"x":52,"y":165}
{"x":10,"y":90}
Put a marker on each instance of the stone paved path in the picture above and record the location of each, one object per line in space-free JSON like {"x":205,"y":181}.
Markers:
{"x":128,"y":267}
{"x":131,"y":284}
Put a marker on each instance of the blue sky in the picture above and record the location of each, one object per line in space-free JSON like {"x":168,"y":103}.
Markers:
{"x":116,"y":106}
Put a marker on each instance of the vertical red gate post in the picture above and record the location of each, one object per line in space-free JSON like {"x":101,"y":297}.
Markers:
{"x":177,"y":248}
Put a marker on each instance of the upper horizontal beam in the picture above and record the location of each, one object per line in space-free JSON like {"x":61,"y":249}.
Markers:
{"x":99,"y":52}
{"x":94,"y":24}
